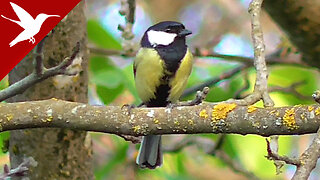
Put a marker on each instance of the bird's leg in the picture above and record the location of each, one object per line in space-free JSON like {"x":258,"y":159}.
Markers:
{"x":131,"y":106}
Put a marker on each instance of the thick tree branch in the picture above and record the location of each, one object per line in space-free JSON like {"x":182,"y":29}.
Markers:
{"x":204,"y":118}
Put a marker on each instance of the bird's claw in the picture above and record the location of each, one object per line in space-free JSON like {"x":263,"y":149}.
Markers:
{"x":129,"y":107}
{"x":172,"y":105}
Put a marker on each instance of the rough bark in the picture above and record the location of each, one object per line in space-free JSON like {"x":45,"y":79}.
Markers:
{"x":60,"y":153}
{"x":204,"y":118}
{"x":301,"y":21}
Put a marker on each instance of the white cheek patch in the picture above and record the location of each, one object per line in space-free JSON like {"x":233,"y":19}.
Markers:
{"x":160,"y":38}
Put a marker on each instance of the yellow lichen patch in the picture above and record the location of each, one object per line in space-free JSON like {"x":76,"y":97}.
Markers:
{"x":55,"y":99}
{"x":9,"y":117}
{"x":310,"y":108}
{"x":156,"y":121}
{"x":220,"y":111}
{"x":317,"y":111}
{"x":136,"y":129}
{"x":275,"y":112}
{"x":251,"y":109}
{"x":303,"y":117}
{"x":177,"y":123}
{"x":190,"y":122}
{"x":289,"y":119}
{"x":203,"y":114}
{"x":49,"y":118}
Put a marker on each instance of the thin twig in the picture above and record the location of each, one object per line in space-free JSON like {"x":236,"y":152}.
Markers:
{"x":38,"y":62}
{"x":237,"y":94}
{"x":270,"y":59}
{"x":274,"y":156}
{"x":128,"y":11}
{"x":20,"y":171}
{"x":200,"y":96}
{"x":290,"y":89}
{"x":213,"y":149}
{"x":214,"y":80}
{"x":39,"y":75}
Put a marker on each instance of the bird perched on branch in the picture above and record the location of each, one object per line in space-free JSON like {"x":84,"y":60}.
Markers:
{"x":161,"y":69}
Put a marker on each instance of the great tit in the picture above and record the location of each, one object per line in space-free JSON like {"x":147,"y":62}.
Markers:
{"x":161,"y":70}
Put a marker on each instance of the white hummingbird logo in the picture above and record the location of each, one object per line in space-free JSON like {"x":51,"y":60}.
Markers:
{"x":31,"y":26}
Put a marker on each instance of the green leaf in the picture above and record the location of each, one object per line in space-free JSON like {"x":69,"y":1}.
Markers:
{"x":4,"y":141}
{"x":110,"y":78}
{"x":101,"y":37}
{"x":107,"y":95}
{"x":4,"y":83}
{"x":129,"y":82}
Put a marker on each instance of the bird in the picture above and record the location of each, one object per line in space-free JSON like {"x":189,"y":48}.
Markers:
{"x":31,"y":26}
{"x":161,"y":67}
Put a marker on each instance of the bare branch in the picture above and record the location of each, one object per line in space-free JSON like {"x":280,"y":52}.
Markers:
{"x":200,"y":97}
{"x":276,"y":157}
{"x":214,"y":80}
{"x":128,"y":11}
{"x":261,"y":84}
{"x":291,"y":89}
{"x":38,"y":61}
{"x":212,"y":149}
{"x":20,"y":171}
{"x":39,"y":74}
{"x":308,"y":159}
{"x":237,"y":94}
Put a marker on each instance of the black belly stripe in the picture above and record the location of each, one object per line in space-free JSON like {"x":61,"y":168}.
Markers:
{"x":161,"y":100}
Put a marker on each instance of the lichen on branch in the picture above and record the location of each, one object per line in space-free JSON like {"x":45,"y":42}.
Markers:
{"x":178,"y":120}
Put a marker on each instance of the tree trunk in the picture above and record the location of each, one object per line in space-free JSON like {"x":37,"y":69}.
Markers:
{"x":60,"y":153}
{"x":301,"y":21}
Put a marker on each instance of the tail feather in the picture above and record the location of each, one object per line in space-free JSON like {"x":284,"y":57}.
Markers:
{"x":150,"y":152}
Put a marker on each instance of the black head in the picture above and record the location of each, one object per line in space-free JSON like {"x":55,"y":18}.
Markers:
{"x":164,"y":34}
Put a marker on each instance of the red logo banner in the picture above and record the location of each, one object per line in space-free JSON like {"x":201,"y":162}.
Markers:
{"x":23,"y":23}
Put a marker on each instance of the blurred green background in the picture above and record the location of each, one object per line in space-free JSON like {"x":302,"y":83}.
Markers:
{"x":218,"y":26}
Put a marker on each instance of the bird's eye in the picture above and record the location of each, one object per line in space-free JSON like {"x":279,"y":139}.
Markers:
{"x":167,"y":30}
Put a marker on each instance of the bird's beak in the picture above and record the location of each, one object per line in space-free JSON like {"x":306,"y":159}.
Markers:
{"x":184,"y":32}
